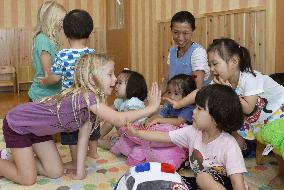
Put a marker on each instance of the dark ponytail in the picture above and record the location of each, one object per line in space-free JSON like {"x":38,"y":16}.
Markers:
{"x":245,"y":60}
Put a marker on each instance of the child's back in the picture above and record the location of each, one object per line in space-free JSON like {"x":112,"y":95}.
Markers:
{"x":77,"y":26}
{"x":65,"y":63}
{"x":45,"y":47}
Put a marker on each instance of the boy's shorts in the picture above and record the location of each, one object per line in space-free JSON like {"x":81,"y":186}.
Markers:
{"x":15,"y":140}
{"x":72,"y":138}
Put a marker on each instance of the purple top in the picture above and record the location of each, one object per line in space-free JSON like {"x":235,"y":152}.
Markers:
{"x":41,"y":118}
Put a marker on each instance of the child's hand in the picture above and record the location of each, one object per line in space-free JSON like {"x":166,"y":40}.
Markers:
{"x":69,"y":165}
{"x":130,"y":130}
{"x":42,"y":80}
{"x":144,"y":126}
{"x":154,"y":121}
{"x":154,"y":97}
{"x":72,"y":173}
{"x":219,"y":80}
{"x":174,"y":103}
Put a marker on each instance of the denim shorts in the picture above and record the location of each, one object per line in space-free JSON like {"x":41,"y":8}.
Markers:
{"x":72,"y":138}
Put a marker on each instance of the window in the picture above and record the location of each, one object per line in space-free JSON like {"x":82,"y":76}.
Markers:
{"x":116,"y":14}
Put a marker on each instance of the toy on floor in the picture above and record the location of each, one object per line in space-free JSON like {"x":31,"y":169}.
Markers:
{"x":151,"y":176}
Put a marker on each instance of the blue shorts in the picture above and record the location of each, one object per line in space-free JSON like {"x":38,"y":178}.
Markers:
{"x":72,"y":138}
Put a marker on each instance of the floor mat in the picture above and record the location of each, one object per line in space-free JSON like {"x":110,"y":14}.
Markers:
{"x":105,"y":171}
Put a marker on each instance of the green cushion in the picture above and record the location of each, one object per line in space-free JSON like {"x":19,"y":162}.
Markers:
{"x":273,"y":133}
{"x":259,"y":139}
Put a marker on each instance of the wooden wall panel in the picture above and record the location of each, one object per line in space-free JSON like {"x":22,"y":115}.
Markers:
{"x":8,"y":51}
{"x":200,"y":33}
{"x":260,"y":44}
{"x":239,"y":33}
{"x":165,"y":42}
{"x":250,"y":35}
{"x":22,"y":13}
{"x":24,"y":50}
{"x":162,"y":10}
{"x":279,"y":27}
{"x":16,"y":31}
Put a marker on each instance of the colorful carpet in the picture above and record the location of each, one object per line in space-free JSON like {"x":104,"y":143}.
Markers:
{"x":105,"y":171}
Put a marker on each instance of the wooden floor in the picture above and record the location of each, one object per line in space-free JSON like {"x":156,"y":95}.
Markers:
{"x":9,"y":100}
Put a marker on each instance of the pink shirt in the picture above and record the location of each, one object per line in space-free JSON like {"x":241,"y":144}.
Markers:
{"x":222,"y":154}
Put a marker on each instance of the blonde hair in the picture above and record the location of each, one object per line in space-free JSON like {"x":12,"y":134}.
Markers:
{"x":87,"y":78}
{"x":40,"y":13}
{"x":49,"y":18}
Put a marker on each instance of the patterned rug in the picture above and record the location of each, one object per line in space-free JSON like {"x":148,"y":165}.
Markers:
{"x":105,"y":171}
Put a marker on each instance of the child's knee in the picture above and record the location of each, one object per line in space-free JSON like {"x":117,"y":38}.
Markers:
{"x":27,"y":180}
{"x":55,"y":172}
{"x":202,"y":177}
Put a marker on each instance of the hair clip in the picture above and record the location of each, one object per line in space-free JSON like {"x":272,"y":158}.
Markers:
{"x":127,"y":69}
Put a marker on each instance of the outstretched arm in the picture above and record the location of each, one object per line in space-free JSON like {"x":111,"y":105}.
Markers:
{"x":172,"y":121}
{"x":189,"y":99}
{"x":154,"y":136}
{"x":121,"y":118}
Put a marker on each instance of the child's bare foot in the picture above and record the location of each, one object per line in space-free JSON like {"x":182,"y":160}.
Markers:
{"x":92,"y":152}
{"x":104,"y":143}
{"x":277,"y":182}
{"x":93,"y":155}
{"x":69,"y":165}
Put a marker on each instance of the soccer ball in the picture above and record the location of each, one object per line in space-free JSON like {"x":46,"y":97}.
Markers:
{"x":151,"y":176}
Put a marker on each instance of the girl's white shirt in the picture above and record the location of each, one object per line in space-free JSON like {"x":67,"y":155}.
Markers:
{"x":270,"y":92}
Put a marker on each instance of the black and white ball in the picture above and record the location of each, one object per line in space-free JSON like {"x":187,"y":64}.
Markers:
{"x":151,"y":176}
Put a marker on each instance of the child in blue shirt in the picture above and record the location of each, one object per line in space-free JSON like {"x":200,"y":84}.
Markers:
{"x":178,"y":87}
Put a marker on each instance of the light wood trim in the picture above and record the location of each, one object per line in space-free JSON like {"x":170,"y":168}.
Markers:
{"x":279,"y":47}
{"x":230,"y":11}
{"x":270,"y":36}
